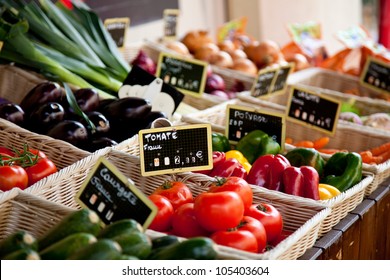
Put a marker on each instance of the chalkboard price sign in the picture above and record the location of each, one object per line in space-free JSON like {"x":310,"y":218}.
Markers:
{"x":117,"y":27}
{"x":314,"y":110}
{"x":242,"y":120}
{"x":170,"y":17}
{"x":187,"y":75}
{"x":175,"y":149}
{"x":376,"y":75}
{"x":280,"y":83}
{"x":264,"y":82}
{"x":113,"y":196}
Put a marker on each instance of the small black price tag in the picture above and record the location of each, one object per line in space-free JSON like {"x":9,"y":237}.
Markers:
{"x":376,"y":75}
{"x":280,"y":83}
{"x":170,"y":17}
{"x":242,"y":120}
{"x":117,"y":27}
{"x":313,"y":109}
{"x":187,"y":75}
{"x":175,"y":149}
{"x":264,"y":82}
{"x":113,"y":196}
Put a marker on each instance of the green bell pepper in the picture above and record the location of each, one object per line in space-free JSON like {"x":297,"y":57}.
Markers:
{"x":220,"y":143}
{"x":343,"y":170}
{"x":306,"y":157}
{"x":257,"y":143}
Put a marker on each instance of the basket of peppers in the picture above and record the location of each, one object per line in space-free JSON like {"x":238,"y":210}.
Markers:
{"x":337,"y":182}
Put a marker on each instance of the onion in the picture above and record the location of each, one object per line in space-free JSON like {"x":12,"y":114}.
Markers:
{"x":178,"y":47}
{"x":227,"y":46}
{"x":237,"y":54}
{"x":241,"y":41}
{"x":300,"y":61}
{"x":195,"y":39}
{"x":145,"y":62}
{"x":214,"y":82}
{"x":263,"y":53}
{"x":206,"y":52}
{"x":222,"y":59}
{"x":245,"y":65}
{"x":378,"y":120}
{"x":350,"y":117}
{"x":220,"y":93}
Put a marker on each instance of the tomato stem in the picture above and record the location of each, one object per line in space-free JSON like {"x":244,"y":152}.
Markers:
{"x":23,"y":159}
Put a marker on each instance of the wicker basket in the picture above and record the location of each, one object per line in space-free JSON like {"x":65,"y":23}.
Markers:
{"x":305,"y":218}
{"x":61,"y":153}
{"x":23,"y":211}
{"x":362,"y":140}
{"x":335,"y":85}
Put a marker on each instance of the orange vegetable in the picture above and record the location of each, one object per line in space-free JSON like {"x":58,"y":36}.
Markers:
{"x":380,"y":149}
{"x":288,"y":140}
{"x":369,"y":158}
{"x":385,"y":156}
{"x":304,"y":144}
{"x":321,"y":142}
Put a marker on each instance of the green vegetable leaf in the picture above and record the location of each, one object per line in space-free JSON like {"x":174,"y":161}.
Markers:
{"x":75,"y":106}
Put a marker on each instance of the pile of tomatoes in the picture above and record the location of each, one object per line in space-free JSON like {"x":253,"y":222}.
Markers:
{"x":225,"y":213}
{"x":23,"y":168}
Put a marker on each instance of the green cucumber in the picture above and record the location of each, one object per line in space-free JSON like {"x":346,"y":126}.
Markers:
{"x":103,"y":249}
{"x":135,"y":244}
{"x":120,"y":227}
{"x":18,"y":240}
{"x":83,"y":220}
{"x":23,"y":254}
{"x":67,"y":246}
{"x":164,"y":241}
{"x":196,"y":248}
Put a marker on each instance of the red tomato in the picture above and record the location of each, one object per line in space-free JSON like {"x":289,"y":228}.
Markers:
{"x":43,"y":168}
{"x":269,"y":216}
{"x":37,"y":152}
{"x":163,"y":220}
{"x":6,"y":152}
{"x":234,"y":184}
{"x":13,"y":177}
{"x":184,"y":223}
{"x":219,"y":210}
{"x":238,"y":239}
{"x":257,"y":229}
{"x":177,"y":192}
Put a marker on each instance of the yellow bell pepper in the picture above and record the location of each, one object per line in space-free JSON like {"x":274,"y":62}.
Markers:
{"x":327,"y":191}
{"x":240,"y":157}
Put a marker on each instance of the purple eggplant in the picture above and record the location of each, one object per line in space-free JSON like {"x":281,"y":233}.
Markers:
{"x":42,"y":94}
{"x":45,"y":116}
{"x":70,"y":131}
{"x":127,"y":109}
{"x":13,"y":113}
{"x":87,"y":99}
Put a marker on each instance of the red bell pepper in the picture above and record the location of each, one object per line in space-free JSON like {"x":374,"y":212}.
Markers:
{"x":227,"y":168}
{"x":267,"y":171}
{"x":223,"y":167}
{"x":218,"y":157}
{"x":301,"y":181}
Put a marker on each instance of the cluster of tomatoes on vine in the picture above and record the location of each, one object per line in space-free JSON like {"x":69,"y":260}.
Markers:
{"x":23,"y":168}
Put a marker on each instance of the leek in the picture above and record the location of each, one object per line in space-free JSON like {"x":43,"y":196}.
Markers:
{"x":72,"y":46}
{"x":18,"y":47}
